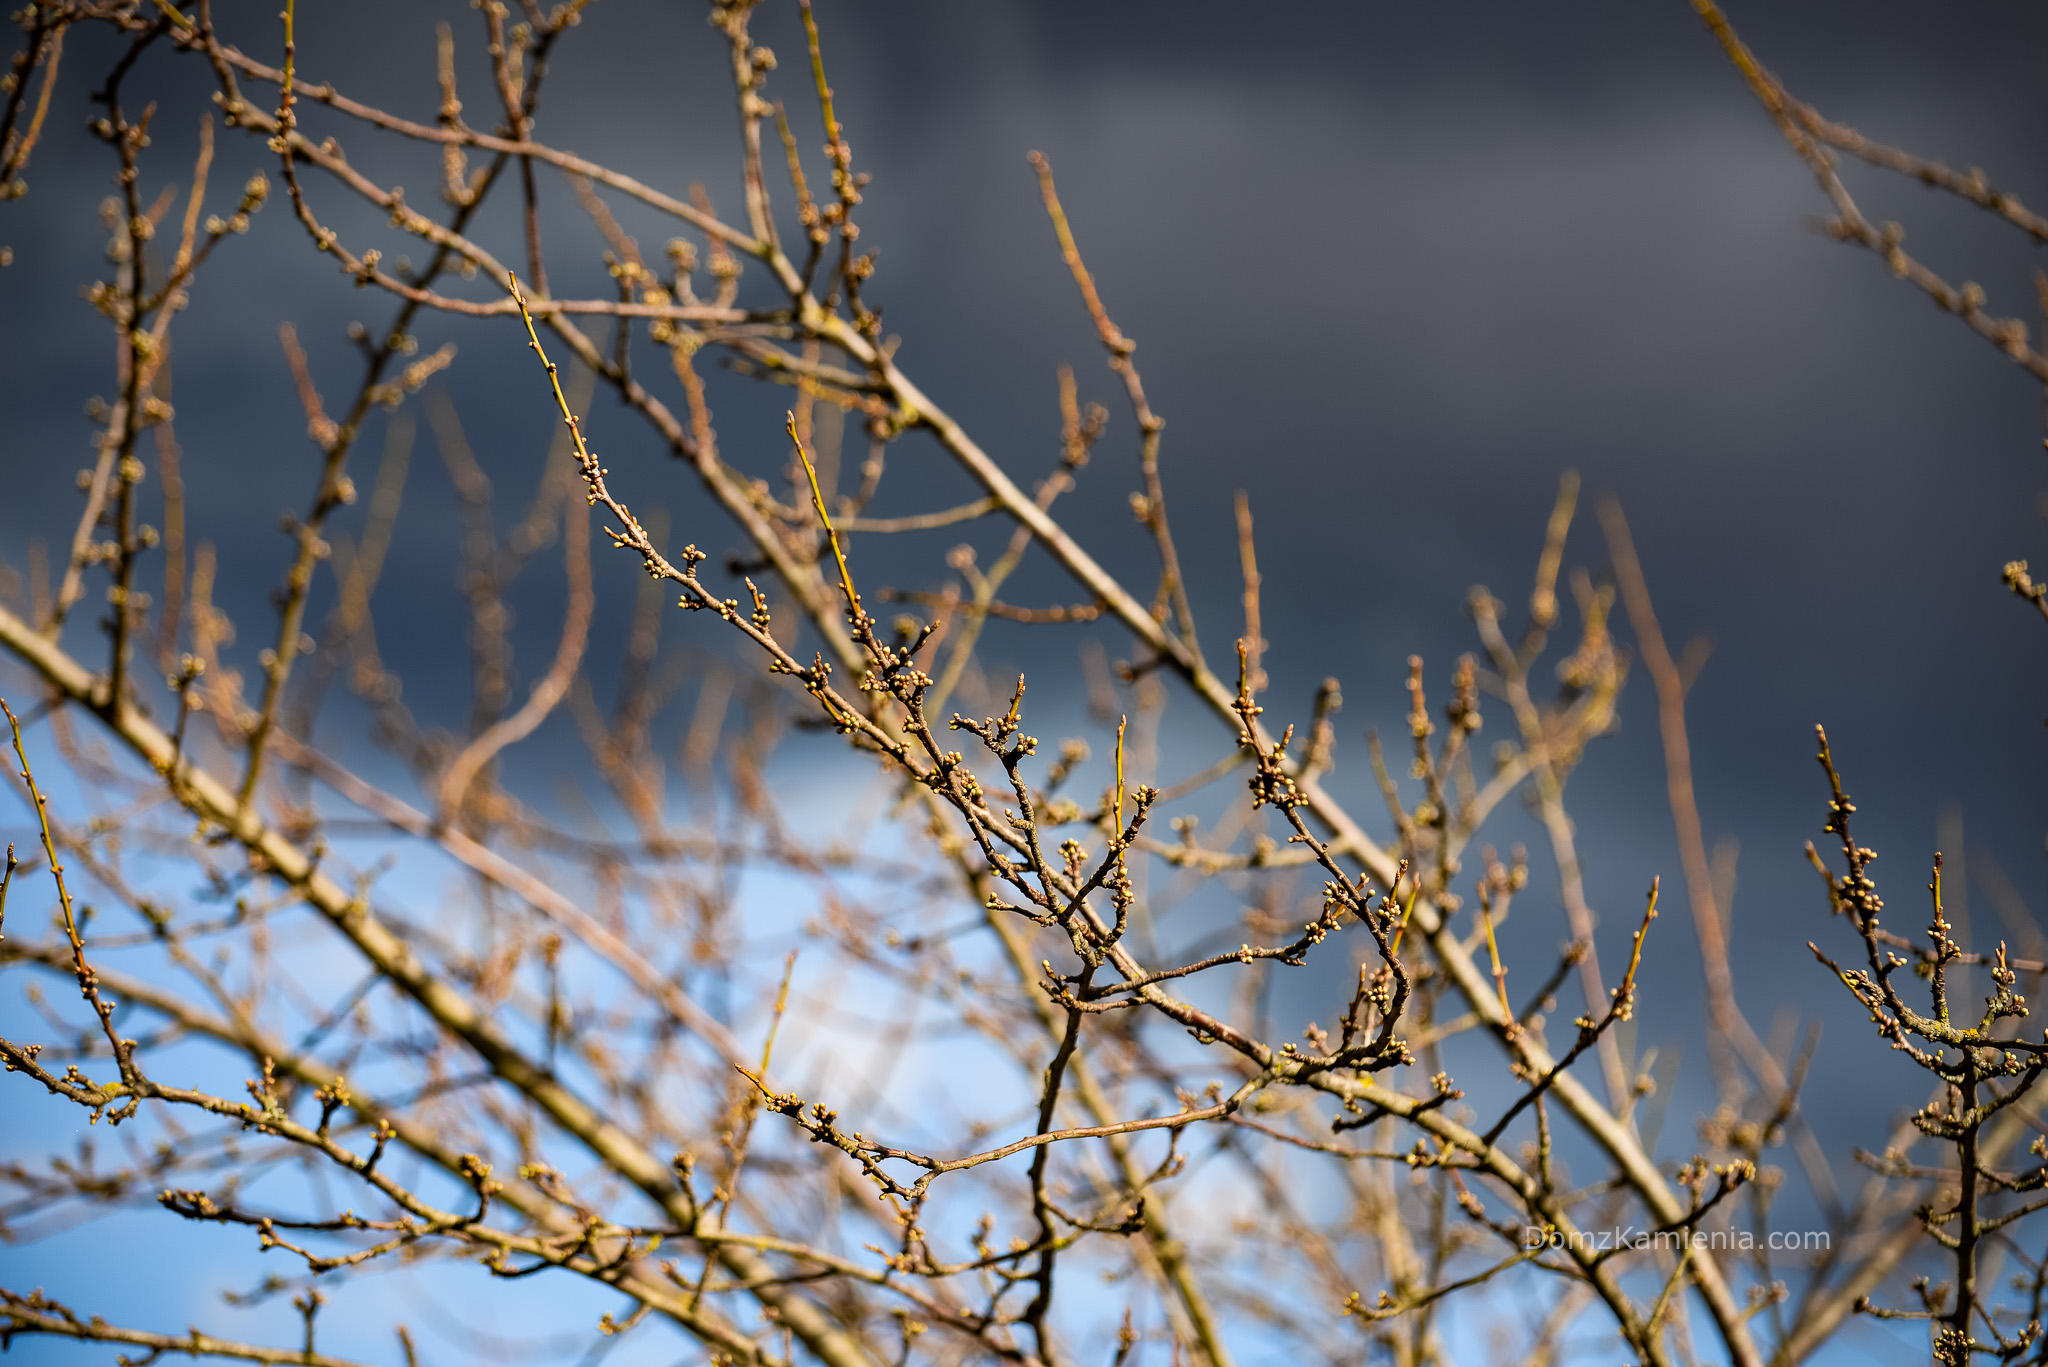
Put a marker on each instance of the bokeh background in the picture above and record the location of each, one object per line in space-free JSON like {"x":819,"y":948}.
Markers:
{"x":1391,"y":269}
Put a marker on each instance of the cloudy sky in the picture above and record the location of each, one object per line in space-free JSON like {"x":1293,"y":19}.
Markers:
{"x":1391,"y":269}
